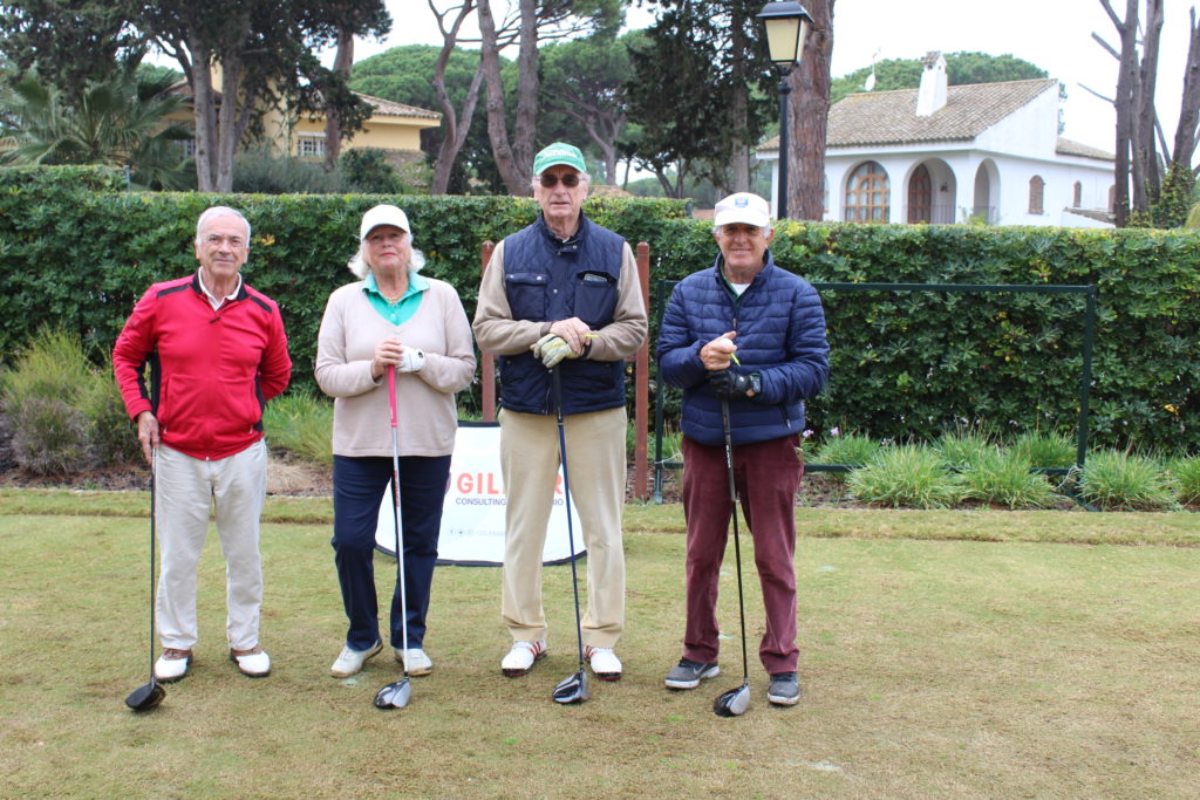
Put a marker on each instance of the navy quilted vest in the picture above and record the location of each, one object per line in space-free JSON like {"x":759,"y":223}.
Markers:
{"x":545,"y":280}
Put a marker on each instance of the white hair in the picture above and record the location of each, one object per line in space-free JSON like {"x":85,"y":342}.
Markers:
{"x":359,"y":266}
{"x":220,"y":211}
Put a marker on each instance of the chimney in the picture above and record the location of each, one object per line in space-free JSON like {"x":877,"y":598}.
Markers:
{"x":932,"y":94}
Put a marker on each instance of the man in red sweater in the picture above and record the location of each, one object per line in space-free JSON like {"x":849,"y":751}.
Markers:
{"x":217,"y":353}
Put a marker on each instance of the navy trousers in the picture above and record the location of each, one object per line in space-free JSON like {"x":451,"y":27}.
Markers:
{"x":358,"y":489}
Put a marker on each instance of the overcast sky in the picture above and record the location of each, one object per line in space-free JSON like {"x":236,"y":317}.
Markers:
{"x":1056,"y":35}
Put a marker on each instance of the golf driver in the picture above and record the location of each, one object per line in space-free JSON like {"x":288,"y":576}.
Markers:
{"x":397,"y":695}
{"x":149,"y":695}
{"x":574,"y":688}
{"x":734,"y":702}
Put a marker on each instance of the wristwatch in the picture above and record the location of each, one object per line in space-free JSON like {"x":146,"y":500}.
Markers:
{"x":756,"y":382}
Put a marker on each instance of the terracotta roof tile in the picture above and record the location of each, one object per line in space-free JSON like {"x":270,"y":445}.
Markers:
{"x":890,"y":118}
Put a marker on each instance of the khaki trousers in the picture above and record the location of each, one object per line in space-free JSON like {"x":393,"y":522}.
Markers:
{"x":186,"y":490}
{"x":596,"y":465}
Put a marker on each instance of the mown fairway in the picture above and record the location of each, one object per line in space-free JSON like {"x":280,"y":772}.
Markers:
{"x":931,"y":668}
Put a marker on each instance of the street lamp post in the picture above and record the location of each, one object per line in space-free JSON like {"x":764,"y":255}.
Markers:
{"x":787,"y":25}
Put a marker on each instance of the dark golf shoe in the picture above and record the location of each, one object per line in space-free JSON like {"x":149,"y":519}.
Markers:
{"x":784,"y":689}
{"x":687,"y":674}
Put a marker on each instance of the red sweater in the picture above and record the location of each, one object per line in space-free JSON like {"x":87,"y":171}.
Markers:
{"x":213,"y":371}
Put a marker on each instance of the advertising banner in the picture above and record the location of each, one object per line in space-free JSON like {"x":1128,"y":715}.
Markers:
{"x":473,"y":513}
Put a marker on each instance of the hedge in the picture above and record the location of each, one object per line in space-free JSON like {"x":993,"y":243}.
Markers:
{"x":77,"y":250}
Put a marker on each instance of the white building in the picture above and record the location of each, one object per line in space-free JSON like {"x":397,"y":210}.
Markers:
{"x":942,"y":154}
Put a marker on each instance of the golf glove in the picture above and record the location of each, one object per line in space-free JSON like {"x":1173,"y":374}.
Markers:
{"x":552,"y":349}
{"x":729,"y":385}
{"x":411,"y":361}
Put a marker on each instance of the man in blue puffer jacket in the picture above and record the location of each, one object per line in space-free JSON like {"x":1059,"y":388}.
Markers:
{"x":774,"y":322}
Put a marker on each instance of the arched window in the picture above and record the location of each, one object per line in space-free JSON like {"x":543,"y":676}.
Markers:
{"x":920,"y":196}
{"x":867,"y":191}
{"x":1037,"y":188}
{"x":1078,"y":201}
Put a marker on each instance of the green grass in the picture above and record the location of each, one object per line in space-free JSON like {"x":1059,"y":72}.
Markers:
{"x":907,"y":475}
{"x":302,"y":424}
{"x":1119,"y":481}
{"x":1003,"y":478}
{"x":1186,"y":474}
{"x":981,"y":661}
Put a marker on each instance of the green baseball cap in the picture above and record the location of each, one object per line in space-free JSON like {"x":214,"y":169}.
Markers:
{"x":559,"y":153}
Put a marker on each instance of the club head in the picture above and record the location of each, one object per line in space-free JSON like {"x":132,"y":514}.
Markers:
{"x":733,"y":703}
{"x":146,"y":697}
{"x":572,"y":689}
{"x":394,"y":695}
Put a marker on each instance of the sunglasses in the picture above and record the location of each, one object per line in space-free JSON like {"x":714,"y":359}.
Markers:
{"x":569,"y":180}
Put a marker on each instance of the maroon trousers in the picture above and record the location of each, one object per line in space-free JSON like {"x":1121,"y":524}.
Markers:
{"x":767,"y":476}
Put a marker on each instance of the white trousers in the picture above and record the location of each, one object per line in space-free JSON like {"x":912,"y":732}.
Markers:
{"x":186,"y":491}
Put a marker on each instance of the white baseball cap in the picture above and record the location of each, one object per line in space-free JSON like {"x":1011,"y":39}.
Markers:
{"x":743,"y":207}
{"x":383,"y":215}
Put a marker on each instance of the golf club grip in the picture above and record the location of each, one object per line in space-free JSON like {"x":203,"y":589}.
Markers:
{"x":391,"y":373}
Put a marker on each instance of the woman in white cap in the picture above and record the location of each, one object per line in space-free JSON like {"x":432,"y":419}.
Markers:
{"x":391,"y":317}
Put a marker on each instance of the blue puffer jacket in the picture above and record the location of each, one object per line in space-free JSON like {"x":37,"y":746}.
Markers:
{"x":780,"y":328}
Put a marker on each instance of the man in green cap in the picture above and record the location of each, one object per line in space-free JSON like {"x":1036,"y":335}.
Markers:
{"x":562,"y":293}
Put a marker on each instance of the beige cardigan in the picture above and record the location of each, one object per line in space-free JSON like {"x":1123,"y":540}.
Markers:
{"x":426,"y":408}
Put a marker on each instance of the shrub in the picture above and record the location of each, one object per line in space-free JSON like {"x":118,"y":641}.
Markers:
{"x":854,"y":450}
{"x":1186,"y":473}
{"x":1045,"y":450}
{"x":50,"y":437}
{"x":111,"y":434}
{"x":302,"y":424}
{"x":1118,"y":481}
{"x":261,"y":171}
{"x":1003,"y":478}
{"x":965,"y":448}
{"x":907,"y":476}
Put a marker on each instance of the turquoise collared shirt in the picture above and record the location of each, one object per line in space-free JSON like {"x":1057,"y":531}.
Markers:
{"x":403,"y":309}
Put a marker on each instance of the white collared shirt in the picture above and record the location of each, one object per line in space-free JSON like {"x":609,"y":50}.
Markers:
{"x":213,"y":300}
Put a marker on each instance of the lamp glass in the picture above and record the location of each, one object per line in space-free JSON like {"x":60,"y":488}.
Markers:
{"x":783,"y":39}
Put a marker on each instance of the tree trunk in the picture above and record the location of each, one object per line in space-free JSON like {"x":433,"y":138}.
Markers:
{"x":528,"y":84}
{"x":457,"y":125}
{"x":496,"y":124}
{"x":228,"y":129}
{"x":1123,"y":103}
{"x":808,"y":116}
{"x":457,"y":128}
{"x":1189,"y":107}
{"x":739,"y":109}
{"x":1145,"y":155}
{"x":204,"y":113}
{"x":343,"y":60}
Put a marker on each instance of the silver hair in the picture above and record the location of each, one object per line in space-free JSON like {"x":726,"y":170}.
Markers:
{"x":220,"y":211}
{"x":359,"y":266}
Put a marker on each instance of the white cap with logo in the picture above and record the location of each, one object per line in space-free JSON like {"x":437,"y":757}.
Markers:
{"x":743,"y":207}
{"x":383,"y":215}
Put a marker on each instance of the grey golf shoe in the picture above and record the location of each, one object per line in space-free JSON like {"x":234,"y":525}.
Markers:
{"x":687,"y":674}
{"x":784,"y":689}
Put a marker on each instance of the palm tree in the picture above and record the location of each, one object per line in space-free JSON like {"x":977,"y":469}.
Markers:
{"x":120,"y":122}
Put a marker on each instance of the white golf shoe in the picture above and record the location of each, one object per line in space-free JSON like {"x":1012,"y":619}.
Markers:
{"x":521,"y":657}
{"x":172,"y":665}
{"x":604,"y":662}
{"x":416,"y":662}
{"x":253,"y":663}
{"x":350,"y":661}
